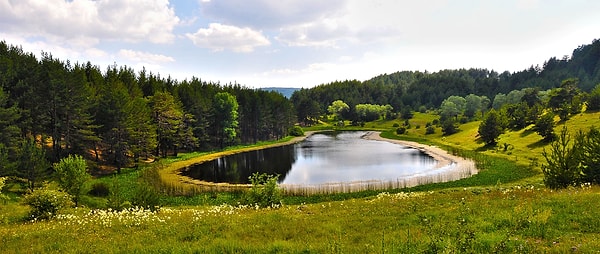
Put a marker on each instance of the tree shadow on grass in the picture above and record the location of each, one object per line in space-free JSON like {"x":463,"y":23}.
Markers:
{"x":526,"y":133}
{"x":485,"y":147}
{"x":539,"y":143}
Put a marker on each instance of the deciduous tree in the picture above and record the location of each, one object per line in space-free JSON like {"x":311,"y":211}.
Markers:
{"x":72,"y":175}
{"x":338,"y":108}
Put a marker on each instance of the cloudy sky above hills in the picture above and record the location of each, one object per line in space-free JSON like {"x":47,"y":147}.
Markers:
{"x":300,"y":43}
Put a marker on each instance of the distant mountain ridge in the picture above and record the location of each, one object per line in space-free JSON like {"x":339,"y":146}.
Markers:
{"x":285,"y":91}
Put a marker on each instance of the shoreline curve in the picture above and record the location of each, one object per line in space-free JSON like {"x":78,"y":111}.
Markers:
{"x":448,"y":168}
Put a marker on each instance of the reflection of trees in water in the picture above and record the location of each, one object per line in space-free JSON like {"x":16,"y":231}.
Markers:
{"x":420,"y":157}
{"x":321,"y":158}
{"x":238,"y":168}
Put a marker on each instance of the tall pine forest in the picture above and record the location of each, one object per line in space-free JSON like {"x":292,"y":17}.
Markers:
{"x":119,"y":117}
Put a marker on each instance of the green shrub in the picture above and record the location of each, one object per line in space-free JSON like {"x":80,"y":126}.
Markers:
{"x":72,"y":175}
{"x":400,"y":130}
{"x":296,"y":131}
{"x":264,"y":192}
{"x":147,"y":197}
{"x":116,"y":198}
{"x":429,"y":130}
{"x":99,"y":190}
{"x":396,"y":125}
{"x":3,"y":197}
{"x":46,"y":203}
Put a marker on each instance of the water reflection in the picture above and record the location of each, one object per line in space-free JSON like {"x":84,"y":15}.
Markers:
{"x":322,"y":158}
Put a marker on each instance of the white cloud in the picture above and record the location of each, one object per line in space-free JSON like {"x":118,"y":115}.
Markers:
{"x":219,"y":37}
{"x":74,"y":54}
{"x":527,"y":4}
{"x":82,"y":22}
{"x":145,"y":57}
{"x":268,"y":14}
{"x":322,"y":33}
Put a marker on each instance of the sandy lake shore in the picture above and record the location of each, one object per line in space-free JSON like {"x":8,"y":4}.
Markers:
{"x":443,"y":158}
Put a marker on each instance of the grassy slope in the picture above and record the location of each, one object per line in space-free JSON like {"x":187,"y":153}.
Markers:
{"x":481,"y":220}
{"x":520,"y":216}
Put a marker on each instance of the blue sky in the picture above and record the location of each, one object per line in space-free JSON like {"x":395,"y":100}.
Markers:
{"x":300,"y":43}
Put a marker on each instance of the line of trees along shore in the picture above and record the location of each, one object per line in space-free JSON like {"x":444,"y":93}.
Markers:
{"x":50,"y":109}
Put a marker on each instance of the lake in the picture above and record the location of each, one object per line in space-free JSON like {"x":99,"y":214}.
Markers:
{"x":329,"y":157}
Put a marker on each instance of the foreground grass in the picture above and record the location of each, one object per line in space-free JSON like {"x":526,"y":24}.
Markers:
{"x":519,"y":219}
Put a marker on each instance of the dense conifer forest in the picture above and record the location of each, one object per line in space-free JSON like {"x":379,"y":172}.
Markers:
{"x":51,"y":108}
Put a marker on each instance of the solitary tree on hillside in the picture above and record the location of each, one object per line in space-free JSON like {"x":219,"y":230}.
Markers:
{"x":545,"y":126}
{"x":562,"y":162}
{"x":491,"y":127}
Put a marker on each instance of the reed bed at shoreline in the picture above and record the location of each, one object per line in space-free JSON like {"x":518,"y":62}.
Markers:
{"x":453,"y":172}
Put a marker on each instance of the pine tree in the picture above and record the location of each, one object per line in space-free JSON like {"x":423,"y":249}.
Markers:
{"x":9,"y":116}
{"x":545,"y":127}
{"x":590,"y":156}
{"x":491,"y":127}
{"x":562,"y":167}
{"x":168,"y":117}
{"x":32,"y":162}
{"x":226,"y":114}
{"x":141,"y":130}
{"x":111,"y":117}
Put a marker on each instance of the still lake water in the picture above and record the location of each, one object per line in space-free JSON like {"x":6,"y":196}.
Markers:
{"x":330,"y":157}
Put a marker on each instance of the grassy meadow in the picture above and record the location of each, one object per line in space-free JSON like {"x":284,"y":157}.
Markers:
{"x":503,"y":209}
